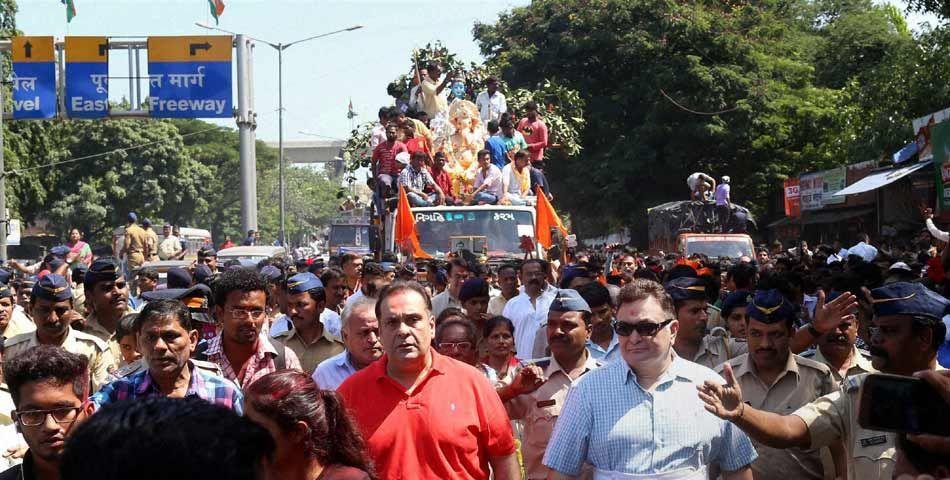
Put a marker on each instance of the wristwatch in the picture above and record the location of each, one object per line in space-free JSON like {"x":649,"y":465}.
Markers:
{"x":813,"y":331}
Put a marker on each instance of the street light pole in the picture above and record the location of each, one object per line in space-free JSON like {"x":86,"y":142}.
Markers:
{"x":280,"y":142}
{"x":280,"y":47}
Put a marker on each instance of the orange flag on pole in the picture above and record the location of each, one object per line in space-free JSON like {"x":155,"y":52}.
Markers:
{"x":405,"y":229}
{"x":545,"y":218}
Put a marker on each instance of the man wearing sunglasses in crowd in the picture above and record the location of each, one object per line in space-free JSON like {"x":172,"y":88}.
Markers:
{"x":638,"y":415}
{"x":49,"y":387}
{"x":108,"y":294}
{"x":51,"y":304}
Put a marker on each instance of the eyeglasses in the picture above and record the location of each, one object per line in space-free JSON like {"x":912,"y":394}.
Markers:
{"x":256,"y":314}
{"x":458,"y":346}
{"x":644,"y":329}
{"x":35,"y":418}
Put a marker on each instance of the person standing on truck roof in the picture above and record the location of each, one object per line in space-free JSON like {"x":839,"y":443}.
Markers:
{"x":723,"y":203}
{"x":699,"y":184}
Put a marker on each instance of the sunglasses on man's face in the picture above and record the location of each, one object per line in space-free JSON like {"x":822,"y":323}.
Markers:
{"x":644,"y":329}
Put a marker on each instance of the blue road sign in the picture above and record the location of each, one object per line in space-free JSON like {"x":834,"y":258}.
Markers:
{"x":87,"y":77}
{"x":190,"y":77}
{"x":34,"y":78}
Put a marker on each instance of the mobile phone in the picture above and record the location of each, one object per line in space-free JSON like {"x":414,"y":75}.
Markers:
{"x":896,"y":403}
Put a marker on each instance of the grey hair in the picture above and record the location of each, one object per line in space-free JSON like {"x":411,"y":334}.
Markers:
{"x":352,"y":307}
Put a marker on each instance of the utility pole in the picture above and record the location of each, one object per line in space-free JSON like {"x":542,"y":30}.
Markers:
{"x":245,"y":123}
{"x":3,"y":188}
{"x":280,"y":47}
{"x":280,"y":140}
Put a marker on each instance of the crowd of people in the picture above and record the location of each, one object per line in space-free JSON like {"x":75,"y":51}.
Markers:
{"x":604,"y":363}
{"x":443,"y":149}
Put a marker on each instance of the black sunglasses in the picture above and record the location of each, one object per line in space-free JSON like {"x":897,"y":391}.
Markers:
{"x":644,"y":329}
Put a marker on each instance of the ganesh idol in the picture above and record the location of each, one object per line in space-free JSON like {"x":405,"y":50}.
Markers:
{"x":462,"y":145}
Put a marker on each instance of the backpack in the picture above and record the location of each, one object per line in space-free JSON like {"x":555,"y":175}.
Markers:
{"x":168,"y":248}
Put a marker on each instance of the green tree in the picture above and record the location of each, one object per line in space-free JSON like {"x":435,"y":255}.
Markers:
{"x":755,"y":90}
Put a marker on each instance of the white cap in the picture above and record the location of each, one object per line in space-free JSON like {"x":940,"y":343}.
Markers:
{"x":900,"y":266}
{"x":726,"y":179}
{"x":403,"y":158}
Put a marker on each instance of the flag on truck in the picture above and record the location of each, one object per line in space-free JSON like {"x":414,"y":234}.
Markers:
{"x":405,"y":229}
{"x":545,"y":219}
{"x":217,"y":8}
{"x":70,"y":9}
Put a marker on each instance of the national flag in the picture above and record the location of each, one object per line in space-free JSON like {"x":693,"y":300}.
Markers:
{"x":545,"y":219}
{"x":350,"y":113}
{"x":217,"y":8}
{"x":70,"y":9}
{"x":405,"y":231}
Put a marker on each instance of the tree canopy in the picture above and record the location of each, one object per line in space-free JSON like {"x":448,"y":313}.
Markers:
{"x":755,"y":90}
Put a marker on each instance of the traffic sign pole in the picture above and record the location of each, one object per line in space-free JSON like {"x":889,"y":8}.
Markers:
{"x":245,"y":123}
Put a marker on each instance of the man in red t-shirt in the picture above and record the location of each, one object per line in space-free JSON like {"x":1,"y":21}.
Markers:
{"x":425,"y":415}
{"x":535,"y":134}
{"x":442,"y":178}
{"x":384,"y":160}
{"x":415,"y":142}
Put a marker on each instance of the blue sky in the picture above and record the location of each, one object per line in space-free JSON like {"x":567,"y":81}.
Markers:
{"x":319,"y":76}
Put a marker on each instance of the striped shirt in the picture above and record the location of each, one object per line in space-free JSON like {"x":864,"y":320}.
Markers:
{"x":212,"y":388}
{"x":260,"y":364}
{"x":610,"y":421}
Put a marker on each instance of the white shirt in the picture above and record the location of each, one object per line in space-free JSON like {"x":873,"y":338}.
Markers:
{"x":528,"y":318}
{"x":443,"y":301}
{"x":491,"y":108}
{"x":379,"y":136}
{"x":493,"y":179}
{"x":936,"y":232}
{"x":415,"y":100}
{"x":352,"y":298}
{"x":865,"y":251}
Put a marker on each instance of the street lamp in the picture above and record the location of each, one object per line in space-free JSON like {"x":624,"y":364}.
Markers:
{"x":280,"y":47}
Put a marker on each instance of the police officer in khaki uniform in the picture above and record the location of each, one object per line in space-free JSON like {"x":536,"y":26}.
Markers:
{"x":837,"y":349}
{"x":308,"y":338}
{"x":52,"y":307}
{"x":775,"y":380}
{"x":906,"y":334}
{"x":538,"y":393}
{"x":136,"y":241}
{"x":108,"y":295}
{"x":692,"y":341}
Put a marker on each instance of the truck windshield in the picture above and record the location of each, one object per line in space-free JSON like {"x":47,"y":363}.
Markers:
{"x":349,"y":235}
{"x":719,"y":248}
{"x":489,"y":232}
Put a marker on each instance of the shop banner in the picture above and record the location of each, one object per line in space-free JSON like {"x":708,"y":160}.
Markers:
{"x":793,"y":203}
{"x":940,"y":139}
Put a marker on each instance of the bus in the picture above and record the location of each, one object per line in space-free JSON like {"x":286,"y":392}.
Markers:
{"x":490,"y":231}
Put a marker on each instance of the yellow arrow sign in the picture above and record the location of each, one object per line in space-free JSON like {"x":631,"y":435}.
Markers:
{"x":33,"y":49}
{"x":87,"y":49}
{"x":197,"y":48}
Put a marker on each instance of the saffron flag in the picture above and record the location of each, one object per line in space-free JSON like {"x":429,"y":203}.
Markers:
{"x":350,"y":113}
{"x":217,"y":8}
{"x":70,"y":9}
{"x":545,"y":219}
{"x":405,"y":228}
